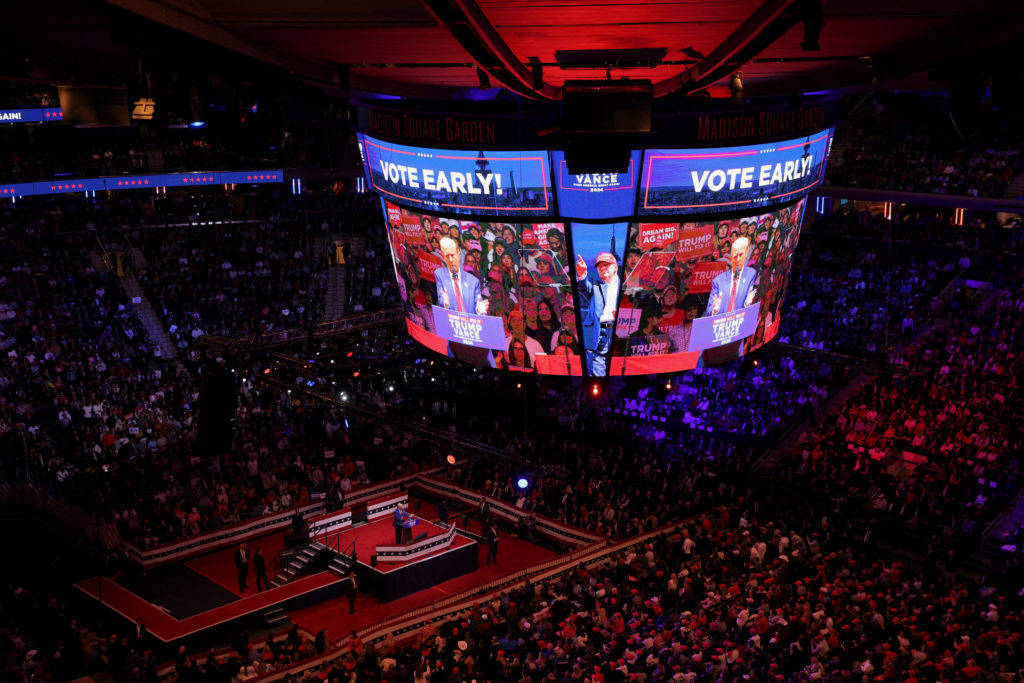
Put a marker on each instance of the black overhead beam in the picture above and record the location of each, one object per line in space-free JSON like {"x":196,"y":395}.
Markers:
{"x":469,"y":26}
{"x":766,"y":25}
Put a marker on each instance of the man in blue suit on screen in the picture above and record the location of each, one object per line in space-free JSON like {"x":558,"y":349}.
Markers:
{"x":457,"y":289}
{"x":733,"y":288}
{"x":598,"y":298}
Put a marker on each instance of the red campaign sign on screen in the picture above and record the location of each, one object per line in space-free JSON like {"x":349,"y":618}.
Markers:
{"x":428,"y":264}
{"x":703,"y":274}
{"x":528,"y":237}
{"x":413,"y":230}
{"x":541,"y":231}
{"x":627,"y":321}
{"x":394,"y":215}
{"x":695,"y":242}
{"x":657,"y":235}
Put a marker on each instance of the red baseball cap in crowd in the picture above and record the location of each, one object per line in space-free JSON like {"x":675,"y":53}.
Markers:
{"x":605,"y":257}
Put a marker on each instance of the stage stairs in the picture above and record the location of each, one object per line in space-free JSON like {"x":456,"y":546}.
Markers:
{"x":275,"y":617}
{"x":148,"y":317}
{"x":303,"y":560}
{"x":335,"y":300}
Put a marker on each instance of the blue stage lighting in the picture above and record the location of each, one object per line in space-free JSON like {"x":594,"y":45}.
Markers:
{"x":523,"y":482}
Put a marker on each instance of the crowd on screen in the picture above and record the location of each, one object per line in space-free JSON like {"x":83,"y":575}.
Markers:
{"x":931,"y":158}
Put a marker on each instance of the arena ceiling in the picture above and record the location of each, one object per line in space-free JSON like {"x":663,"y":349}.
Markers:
{"x":442,"y":48}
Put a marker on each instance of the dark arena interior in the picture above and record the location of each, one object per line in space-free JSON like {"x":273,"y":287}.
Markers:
{"x":466,"y":341}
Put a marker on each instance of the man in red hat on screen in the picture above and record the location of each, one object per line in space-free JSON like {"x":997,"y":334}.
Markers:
{"x":598,"y":298}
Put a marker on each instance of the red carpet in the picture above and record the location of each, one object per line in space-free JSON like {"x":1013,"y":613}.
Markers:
{"x":513,"y":555}
{"x":219,"y":566}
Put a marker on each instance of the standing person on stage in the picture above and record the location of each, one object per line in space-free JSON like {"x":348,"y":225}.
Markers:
{"x":242,"y":564}
{"x":350,"y":591}
{"x":492,"y":544}
{"x":260,"y":567}
{"x":442,"y":512}
{"x":400,"y":516}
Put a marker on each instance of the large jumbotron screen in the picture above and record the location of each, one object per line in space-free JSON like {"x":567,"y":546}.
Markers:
{"x":641,"y":295}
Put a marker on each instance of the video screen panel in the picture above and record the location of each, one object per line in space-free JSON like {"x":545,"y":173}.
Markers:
{"x":598,"y":250}
{"x":513,"y":183}
{"x":595,"y":195}
{"x":490,"y":293}
{"x":681,"y":181}
{"x":702,"y":293}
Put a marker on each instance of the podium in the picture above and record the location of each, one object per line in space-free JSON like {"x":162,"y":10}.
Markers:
{"x":407,"y":526}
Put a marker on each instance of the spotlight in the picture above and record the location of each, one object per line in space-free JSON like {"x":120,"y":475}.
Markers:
{"x":522,"y":482}
{"x":519,"y":386}
{"x":197,"y":124}
{"x":700,"y":100}
{"x":391,"y":387}
{"x":450,"y":459}
{"x":310,"y":383}
{"x":668,"y":386}
{"x":595,"y":389}
{"x":355,"y":374}
{"x":344,"y":396}
{"x":736,"y":87}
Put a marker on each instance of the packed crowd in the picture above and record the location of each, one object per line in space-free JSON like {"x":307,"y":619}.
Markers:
{"x":754,"y":407}
{"x":42,"y":639}
{"x":930,"y":158}
{"x":758,"y":590}
{"x":930,"y":442}
{"x":233,"y":279}
{"x":88,"y":406}
{"x":854,"y":297}
{"x":926,"y":228}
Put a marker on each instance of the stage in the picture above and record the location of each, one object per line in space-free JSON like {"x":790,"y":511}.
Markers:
{"x":175,"y":617}
{"x":409,"y":567}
